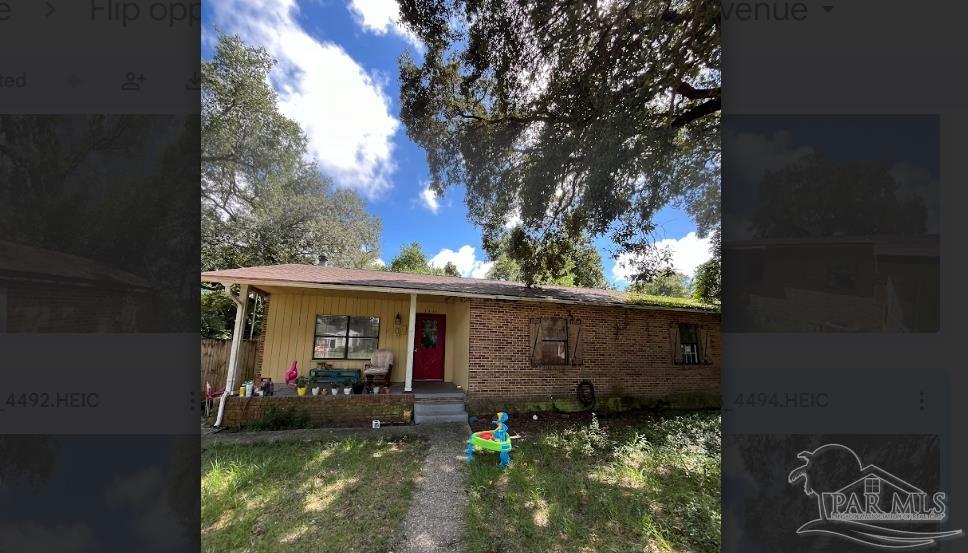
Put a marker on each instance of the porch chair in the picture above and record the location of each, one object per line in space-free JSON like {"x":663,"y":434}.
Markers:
{"x":377,"y":371}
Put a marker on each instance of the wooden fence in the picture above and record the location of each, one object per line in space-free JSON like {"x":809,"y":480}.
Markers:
{"x":215,"y":362}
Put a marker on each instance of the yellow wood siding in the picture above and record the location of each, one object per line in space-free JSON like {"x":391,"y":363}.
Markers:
{"x":292,"y":319}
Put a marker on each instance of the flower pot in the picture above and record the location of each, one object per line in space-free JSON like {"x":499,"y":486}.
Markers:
{"x":358,"y":388}
{"x":301,"y":391}
{"x":347,"y":390}
{"x":335,"y":391}
{"x":315,"y":391}
{"x":241,"y":391}
{"x":376,"y":390}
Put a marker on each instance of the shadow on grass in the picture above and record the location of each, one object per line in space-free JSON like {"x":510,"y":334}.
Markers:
{"x":648,"y":487}
{"x":345,"y":495}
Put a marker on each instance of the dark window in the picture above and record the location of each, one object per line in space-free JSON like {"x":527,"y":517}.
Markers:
{"x":553,"y":342}
{"x":345,"y":337}
{"x":689,"y":343}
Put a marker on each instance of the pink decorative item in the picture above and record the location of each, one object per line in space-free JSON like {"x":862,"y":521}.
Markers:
{"x":292,"y":374}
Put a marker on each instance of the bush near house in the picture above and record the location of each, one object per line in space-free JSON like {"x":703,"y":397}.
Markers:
{"x":347,"y":495}
{"x":632,"y":483}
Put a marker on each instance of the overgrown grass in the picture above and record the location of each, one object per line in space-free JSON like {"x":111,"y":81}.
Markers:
{"x":650,"y":485}
{"x":668,"y":301}
{"x":348,"y":495}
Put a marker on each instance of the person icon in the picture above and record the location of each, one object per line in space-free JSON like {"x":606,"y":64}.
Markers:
{"x":131,"y":82}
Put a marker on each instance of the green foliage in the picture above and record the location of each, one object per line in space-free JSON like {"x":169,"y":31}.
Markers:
{"x":676,"y":285}
{"x":218,"y":315}
{"x":580,"y":265}
{"x":412,"y":259}
{"x":667,"y":301}
{"x":276,"y":418}
{"x":263,"y":203}
{"x":708,"y":284}
{"x":451,"y":270}
{"x":574,"y":117}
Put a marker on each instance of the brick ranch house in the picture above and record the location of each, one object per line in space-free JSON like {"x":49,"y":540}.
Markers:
{"x":501,"y":344}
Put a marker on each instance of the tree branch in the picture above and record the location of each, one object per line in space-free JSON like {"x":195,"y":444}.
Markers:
{"x":697,"y":112}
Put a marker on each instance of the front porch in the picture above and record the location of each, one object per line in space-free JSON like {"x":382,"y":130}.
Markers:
{"x":324,"y":328}
{"x":428,"y":402}
{"x":421,"y":390}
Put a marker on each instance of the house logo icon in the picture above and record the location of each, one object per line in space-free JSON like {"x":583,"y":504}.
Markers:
{"x":866,"y":504}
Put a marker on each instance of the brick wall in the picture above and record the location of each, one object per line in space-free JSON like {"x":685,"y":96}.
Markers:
{"x":328,"y":410}
{"x":627,"y":354}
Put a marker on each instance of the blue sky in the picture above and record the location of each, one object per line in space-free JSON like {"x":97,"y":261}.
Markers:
{"x":337,"y":76}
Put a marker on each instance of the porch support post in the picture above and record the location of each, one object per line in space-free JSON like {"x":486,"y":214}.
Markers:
{"x":411,"y":333}
{"x":241,"y":302}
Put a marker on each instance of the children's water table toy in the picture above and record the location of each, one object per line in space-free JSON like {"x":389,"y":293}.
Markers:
{"x":492,"y":440}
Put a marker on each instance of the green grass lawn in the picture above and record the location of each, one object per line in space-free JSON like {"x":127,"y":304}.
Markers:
{"x":347,"y":495}
{"x":627,"y":484}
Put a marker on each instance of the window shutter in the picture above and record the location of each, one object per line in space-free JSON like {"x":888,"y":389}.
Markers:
{"x":676,"y":346}
{"x":535,"y":337}
{"x":704,"y":342}
{"x":576,"y":342}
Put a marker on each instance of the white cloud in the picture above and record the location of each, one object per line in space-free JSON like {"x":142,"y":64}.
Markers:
{"x":382,"y":17}
{"x":342,"y":109}
{"x":429,"y":200}
{"x":379,"y":262}
{"x":481,"y":269}
{"x":688,"y":253}
{"x":465,"y":259}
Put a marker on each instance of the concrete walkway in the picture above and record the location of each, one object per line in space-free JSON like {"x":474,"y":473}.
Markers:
{"x":435,"y":522}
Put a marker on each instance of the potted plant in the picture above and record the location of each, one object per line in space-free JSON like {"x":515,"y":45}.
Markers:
{"x":358,"y":387}
{"x":335,"y":389}
{"x":347,"y":389}
{"x":301,"y":386}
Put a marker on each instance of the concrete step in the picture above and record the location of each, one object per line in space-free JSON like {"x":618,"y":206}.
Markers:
{"x":452,"y":408}
{"x":438,"y":419}
{"x":418,"y":396}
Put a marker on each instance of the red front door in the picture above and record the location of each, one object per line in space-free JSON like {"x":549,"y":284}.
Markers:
{"x":428,"y":347}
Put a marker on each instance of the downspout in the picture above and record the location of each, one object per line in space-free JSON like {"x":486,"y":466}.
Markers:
{"x":240,"y":304}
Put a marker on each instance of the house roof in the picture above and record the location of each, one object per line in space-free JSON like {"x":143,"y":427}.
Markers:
{"x":27,"y":263}
{"x":295,"y":275}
